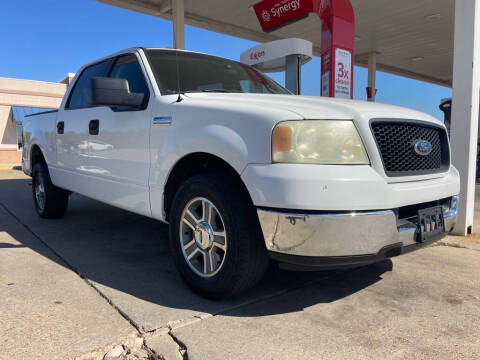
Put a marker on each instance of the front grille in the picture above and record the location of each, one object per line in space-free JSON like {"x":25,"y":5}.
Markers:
{"x":396,"y":140}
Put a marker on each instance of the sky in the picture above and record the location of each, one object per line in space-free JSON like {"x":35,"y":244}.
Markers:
{"x":46,"y":39}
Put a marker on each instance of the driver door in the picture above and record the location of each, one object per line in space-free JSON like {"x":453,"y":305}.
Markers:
{"x":119,"y":146}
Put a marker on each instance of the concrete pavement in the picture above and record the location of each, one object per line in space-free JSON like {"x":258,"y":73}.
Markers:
{"x":46,"y":310}
{"x":420,"y":305}
{"x":426,"y":307}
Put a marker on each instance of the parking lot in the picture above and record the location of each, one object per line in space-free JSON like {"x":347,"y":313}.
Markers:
{"x":100,"y":283}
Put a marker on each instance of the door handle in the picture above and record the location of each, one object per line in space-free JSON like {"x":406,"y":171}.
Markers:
{"x":93,"y":127}
{"x":60,"y":127}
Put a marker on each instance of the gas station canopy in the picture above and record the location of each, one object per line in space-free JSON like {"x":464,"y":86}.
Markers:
{"x":412,"y":38}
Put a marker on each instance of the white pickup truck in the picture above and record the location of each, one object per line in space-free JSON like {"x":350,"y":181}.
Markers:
{"x":240,"y":169}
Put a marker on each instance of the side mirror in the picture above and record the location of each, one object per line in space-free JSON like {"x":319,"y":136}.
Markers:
{"x":114,"y":92}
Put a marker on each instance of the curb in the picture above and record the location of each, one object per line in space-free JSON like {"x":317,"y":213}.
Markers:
{"x":10,"y":167}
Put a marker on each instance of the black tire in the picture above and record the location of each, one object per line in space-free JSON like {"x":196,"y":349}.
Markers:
{"x":55,"y":199}
{"x":245,"y":258}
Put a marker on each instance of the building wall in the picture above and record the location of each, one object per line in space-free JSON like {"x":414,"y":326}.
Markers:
{"x":7,"y":126}
{"x":10,"y":155}
{"x":8,"y":137}
{"x":32,"y":87}
{"x":18,"y":92}
{"x":30,"y":100}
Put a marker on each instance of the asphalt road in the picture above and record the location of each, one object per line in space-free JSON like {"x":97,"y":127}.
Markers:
{"x":100,"y":277}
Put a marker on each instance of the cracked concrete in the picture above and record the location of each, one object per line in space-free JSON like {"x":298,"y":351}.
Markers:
{"x":157,"y":345}
{"x":126,"y":301}
{"x":131,"y":348}
{"x":167,"y":347}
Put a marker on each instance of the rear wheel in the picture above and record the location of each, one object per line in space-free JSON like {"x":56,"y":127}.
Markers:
{"x":50,"y":201}
{"x":216,"y":237}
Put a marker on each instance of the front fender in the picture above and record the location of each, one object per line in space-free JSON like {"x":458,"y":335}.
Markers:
{"x":217,"y":140}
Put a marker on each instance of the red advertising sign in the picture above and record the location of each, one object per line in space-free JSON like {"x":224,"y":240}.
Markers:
{"x":338,"y":33}
{"x":274,"y":13}
{"x":343,"y":68}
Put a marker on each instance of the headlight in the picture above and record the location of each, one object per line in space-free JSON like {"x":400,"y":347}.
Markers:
{"x":330,"y":142}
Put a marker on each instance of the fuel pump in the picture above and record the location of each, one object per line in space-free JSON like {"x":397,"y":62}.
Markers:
{"x":282,"y":55}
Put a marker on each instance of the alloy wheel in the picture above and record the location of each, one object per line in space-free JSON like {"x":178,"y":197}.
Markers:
{"x":203,"y":238}
{"x":39,"y":188}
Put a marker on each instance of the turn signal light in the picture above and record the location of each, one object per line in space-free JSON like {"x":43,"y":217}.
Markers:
{"x":282,"y":139}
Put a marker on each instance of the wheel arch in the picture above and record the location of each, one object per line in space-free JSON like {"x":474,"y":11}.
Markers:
{"x":195,"y":164}
{"x":36,"y":156}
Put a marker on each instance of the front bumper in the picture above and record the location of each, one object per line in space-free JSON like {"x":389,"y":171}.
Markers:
{"x":341,"y":187}
{"x":344,"y":238}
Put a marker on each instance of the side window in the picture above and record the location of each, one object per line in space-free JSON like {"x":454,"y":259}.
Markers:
{"x":81,"y":96}
{"x":127,"y":67}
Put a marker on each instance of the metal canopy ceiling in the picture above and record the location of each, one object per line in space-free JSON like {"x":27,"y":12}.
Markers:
{"x":412,"y":38}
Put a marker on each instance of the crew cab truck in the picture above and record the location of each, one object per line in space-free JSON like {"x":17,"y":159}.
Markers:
{"x":242,"y":171}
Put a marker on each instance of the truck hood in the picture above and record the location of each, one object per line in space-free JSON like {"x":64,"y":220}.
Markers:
{"x":310,"y":107}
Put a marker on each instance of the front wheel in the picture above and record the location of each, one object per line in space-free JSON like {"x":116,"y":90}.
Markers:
{"x":216,"y":237}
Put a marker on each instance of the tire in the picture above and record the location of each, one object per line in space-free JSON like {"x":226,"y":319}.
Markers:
{"x":242,"y":261}
{"x":50,"y":201}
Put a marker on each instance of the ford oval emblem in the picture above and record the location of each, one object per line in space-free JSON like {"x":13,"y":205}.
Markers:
{"x":423,"y":147}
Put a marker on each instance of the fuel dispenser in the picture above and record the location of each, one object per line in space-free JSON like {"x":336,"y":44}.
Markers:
{"x":282,"y":55}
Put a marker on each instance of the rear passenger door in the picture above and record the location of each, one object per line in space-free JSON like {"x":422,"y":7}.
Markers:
{"x":120,"y":148}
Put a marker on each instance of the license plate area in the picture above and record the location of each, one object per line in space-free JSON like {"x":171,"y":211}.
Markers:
{"x":431,"y":223}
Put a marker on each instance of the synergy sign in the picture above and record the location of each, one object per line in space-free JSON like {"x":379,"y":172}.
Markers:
{"x":275,"y":13}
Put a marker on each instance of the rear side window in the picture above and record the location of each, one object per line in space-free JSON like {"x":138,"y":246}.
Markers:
{"x":81,"y":96}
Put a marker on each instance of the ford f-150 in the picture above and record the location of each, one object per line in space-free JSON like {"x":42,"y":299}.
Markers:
{"x":242,"y":171}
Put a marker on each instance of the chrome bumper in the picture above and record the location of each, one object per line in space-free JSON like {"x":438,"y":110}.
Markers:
{"x":342,"y":234}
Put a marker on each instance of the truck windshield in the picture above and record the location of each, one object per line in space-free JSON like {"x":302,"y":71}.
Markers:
{"x":205,"y":73}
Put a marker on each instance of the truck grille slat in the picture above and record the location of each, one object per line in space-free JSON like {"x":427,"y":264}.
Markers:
{"x":396,"y":142}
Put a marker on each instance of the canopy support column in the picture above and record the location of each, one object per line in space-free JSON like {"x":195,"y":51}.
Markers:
{"x":178,"y":17}
{"x":293,"y":73}
{"x":465,"y":106}
{"x":372,"y":76}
